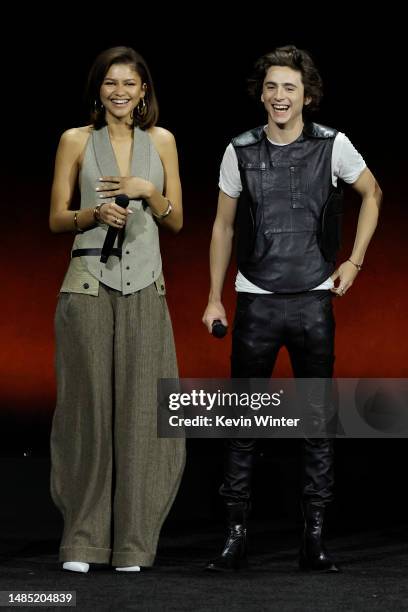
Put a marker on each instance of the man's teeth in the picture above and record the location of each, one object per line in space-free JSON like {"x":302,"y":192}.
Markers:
{"x":280,"y":107}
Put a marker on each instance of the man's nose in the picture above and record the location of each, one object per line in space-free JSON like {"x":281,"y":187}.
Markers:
{"x":279,"y":92}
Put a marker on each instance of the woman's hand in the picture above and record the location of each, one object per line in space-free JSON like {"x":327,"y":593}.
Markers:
{"x":114,"y":215}
{"x":134,"y":187}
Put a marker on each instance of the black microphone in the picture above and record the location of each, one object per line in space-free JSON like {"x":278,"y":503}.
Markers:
{"x":123,"y":201}
{"x":218,"y":329}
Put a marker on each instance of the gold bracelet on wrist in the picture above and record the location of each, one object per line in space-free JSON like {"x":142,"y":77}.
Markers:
{"x":76,"y":226}
{"x":358,"y":266}
{"x":97,"y":212}
{"x":166,"y":212}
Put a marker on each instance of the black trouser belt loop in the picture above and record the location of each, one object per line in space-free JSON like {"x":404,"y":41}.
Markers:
{"x":94,"y":252}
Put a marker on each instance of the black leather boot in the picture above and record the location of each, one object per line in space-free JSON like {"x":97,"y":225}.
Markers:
{"x":234,"y":554}
{"x":313,"y":554}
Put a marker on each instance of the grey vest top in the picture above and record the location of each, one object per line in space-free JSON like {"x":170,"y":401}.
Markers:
{"x":140,"y":264}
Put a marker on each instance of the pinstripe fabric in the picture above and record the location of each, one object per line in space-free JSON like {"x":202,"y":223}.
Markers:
{"x":141,"y":262}
{"x":112,"y":478}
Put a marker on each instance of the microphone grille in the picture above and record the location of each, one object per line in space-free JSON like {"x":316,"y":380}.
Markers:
{"x":122,"y":200}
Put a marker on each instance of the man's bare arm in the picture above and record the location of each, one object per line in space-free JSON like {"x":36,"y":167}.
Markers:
{"x":371,"y":196}
{"x":220,"y":255}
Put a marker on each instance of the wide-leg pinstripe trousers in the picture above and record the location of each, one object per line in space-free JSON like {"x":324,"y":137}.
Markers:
{"x":112,"y":478}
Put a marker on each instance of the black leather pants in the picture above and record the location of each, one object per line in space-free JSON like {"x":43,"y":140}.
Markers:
{"x":304,"y":324}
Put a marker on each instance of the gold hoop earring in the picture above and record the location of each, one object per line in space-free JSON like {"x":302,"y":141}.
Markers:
{"x":142,"y":108}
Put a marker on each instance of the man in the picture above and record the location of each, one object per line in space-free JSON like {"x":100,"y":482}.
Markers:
{"x":279,"y":183}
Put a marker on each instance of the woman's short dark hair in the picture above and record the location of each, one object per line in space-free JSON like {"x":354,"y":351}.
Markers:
{"x":294,"y":58}
{"x":120,"y":55}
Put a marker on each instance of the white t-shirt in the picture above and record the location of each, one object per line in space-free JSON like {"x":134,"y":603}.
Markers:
{"x":346,"y":164}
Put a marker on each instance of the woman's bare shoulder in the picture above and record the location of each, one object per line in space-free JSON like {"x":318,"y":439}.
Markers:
{"x":73,"y":142}
{"x":161,"y":137}
{"x":77,"y":136}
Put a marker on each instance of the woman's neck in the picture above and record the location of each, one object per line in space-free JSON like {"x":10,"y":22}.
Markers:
{"x":119,"y":130}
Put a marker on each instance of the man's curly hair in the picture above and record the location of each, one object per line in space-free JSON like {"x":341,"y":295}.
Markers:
{"x":294,"y":58}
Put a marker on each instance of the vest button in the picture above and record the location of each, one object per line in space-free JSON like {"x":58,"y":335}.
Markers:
{"x":162,"y":287}
{"x":127,"y":268}
{"x":86,"y":285}
{"x":128,"y":283}
{"x":127,"y":252}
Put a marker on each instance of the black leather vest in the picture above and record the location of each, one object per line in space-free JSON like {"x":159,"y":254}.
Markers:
{"x":280,"y":208}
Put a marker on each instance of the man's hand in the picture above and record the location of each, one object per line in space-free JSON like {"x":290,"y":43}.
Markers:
{"x":214,"y":310}
{"x":346,"y":273}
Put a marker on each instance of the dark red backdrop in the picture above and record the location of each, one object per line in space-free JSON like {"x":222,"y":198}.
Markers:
{"x":371,"y":320}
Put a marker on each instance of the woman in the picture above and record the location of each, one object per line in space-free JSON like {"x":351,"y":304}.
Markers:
{"x":112,"y":478}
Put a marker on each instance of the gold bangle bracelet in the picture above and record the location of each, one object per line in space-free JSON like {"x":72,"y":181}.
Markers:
{"x":76,"y":226}
{"x":166,"y":212}
{"x":97,"y":212}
